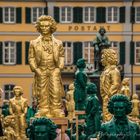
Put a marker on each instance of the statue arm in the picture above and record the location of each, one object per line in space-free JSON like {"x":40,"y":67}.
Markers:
{"x":10,"y":108}
{"x":31,"y":57}
{"x":61,"y":56}
{"x":82,"y":80}
{"x":115,"y":86}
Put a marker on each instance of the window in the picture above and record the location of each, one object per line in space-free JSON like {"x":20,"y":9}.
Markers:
{"x":138,"y":90}
{"x":115,"y":46}
{"x":137,"y":52}
{"x":36,"y":13}
{"x":68,"y":53}
{"x":9,"y":52}
{"x":8,"y":90}
{"x":89,"y":14}
{"x":9,"y":15}
{"x":112,"y":14}
{"x":137,"y":14}
{"x":66,"y":14}
{"x":88,"y":52}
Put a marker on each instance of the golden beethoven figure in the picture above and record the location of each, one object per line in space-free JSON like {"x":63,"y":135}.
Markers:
{"x":18,"y":108}
{"x":70,"y":104}
{"x":109,"y":80}
{"x":125,"y":87}
{"x":46,"y":59}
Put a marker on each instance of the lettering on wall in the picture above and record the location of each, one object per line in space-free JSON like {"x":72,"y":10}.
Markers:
{"x":86,"y":28}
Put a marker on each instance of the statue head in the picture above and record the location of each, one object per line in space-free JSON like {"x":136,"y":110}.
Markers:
{"x":102,"y":31}
{"x":91,"y":88}
{"x":18,"y":91}
{"x":126,"y":81}
{"x":119,"y":105}
{"x":135,"y":96}
{"x":71,"y":86}
{"x":109,"y":57}
{"x":9,"y":121}
{"x":43,"y":129}
{"x":81,"y":63}
{"x":45,"y":23}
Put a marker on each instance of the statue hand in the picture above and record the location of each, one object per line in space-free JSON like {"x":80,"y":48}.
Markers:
{"x":61,"y":67}
{"x":38,"y":72}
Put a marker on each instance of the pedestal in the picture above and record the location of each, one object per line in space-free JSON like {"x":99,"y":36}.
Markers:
{"x":63,"y":122}
{"x":77,"y":113}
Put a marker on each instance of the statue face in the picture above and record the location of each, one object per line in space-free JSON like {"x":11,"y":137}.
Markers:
{"x":102,"y":32}
{"x":45,"y":27}
{"x":17,"y":92}
{"x":41,"y":132}
{"x":119,"y":109}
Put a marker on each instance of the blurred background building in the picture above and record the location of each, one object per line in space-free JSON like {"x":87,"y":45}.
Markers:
{"x":78,"y":22}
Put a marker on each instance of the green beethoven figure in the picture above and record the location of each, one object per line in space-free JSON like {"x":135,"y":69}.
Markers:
{"x":80,"y":85}
{"x":119,"y":127}
{"x":101,"y":42}
{"x":42,"y":129}
{"x":81,"y":135}
{"x":93,"y":112}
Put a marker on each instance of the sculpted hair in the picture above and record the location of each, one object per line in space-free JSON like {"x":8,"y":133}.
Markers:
{"x":102,"y":29}
{"x":120,"y":98}
{"x":46,"y":18}
{"x":110,"y":56}
{"x":80,"y":63}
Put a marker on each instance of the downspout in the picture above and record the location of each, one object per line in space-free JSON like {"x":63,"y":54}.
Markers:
{"x":134,"y":50}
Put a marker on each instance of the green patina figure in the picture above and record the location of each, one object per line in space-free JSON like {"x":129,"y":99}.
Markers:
{"x":93,"y":112}
{"x":81,"y":135}
{"x":80,"y":85}
{"x":42,"y":129}
{"x":119,"y":127}
{"x":5,"y":108}
{"x":101,"y":42}
{"x":31,"y":112}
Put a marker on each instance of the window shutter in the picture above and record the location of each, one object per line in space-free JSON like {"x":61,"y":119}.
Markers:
{"x":122,"y":53}
{"x":101,"y":15}
{"x":1,"y":53}
{"x":46,"y":10}
{"x":19,"y":53}
{"x":56,"y":14}
{"x":18,"y":15}
{"x":27,"y":45}
{"x":1,"y":15}
{"x":78,"y":52}
{"x":28,"y":15}
{"x":77,"y":14}
{"x":122,"y":14}
{"x":132,"y":53}
{"x":132,"y":18}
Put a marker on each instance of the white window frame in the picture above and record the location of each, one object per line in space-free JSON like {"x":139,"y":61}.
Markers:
{"x":9,"y":15}
{"x":89,"y":46}
{"x":112,"y":14}
{"x":9,"y":91}
{"x":66,"y":17}
{"x":135,"y":52}
{"x":136,"y":15}
{"x":66,"y":53}
{"x":89,"y":17}
{"x":37,"y":13}
{"x":9,"y":54}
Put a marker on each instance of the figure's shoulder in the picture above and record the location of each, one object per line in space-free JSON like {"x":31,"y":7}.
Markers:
{"x":32,"y":42}
{"x":59,"y":42}
{"x":132,"y":124}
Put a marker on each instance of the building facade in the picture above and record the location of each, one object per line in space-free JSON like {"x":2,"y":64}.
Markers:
{"x":78,"y":22}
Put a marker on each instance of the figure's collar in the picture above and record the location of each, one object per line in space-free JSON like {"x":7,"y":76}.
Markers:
{"x":122,"y":121}
{"x":46,"y":38}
